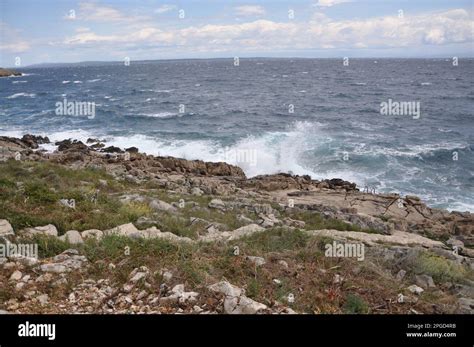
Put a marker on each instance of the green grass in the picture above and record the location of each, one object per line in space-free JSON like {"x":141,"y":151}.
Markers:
{"x":273,"y":240}
{"x":315,"y":221}
{"x":355,"y":304}
{"x":36,"y":201}
{"x":441,"y":269}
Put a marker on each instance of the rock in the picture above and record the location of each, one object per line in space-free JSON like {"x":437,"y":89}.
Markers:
{"x":48,"y":230}
{"x":43,"y":299}
{"x":235,"y":302}
{"x":196,"y":191}
{"x":159,"y":205}
{"x":112,"y":149}
{"x":5,"y":228}
{"x":103,"y":183}
{"x":415,"y":289}
{"x":72,"y":146}
{"x":217,"y":204}
{"x":466,"y":305}
{"x":400,"y":275}
{"x":8,"y":73}
{"x":132,"y":150}
{"x":27,"y":261}
{"x":178,"y":295}
{"x":123,"y":230}
{"x":67,"y":261}
{"x":166,"y":275}
{"x":424,"y":281}
{"x":92,"y":233}
{"x":73,"y":237}
{"x":283,"y":264}
{"x":138,"y":276}
{"x":16,"y":276}
{"x":33,"y":141}
{"x":455,"y":243}
{"x":338,"y":279}
{"x":258,"y":261}
{"x":268,"y":221}
{"x":244,"y":219}
{"x":245,"y":231}
{"x":53,"y":268}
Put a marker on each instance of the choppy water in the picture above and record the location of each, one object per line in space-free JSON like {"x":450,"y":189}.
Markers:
{"x":240,"y":114}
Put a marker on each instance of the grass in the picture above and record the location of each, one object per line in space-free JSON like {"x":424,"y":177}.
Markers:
{"x":441,"y":269}
{"x":315,"y":221}
{"x":30,"y":194}
{"x":355,"y":304}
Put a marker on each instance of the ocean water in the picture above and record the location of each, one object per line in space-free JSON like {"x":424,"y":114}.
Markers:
{"x":216,"y":111}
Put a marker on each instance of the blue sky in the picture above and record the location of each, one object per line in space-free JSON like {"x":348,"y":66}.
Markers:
{"x":72,"y":31}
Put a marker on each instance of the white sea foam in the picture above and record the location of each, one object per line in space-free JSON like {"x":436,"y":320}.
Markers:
{"x":17,"y":95}
{"x":163,"y":115}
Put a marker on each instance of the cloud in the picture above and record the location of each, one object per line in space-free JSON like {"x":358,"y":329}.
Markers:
{"x":12,"y":40}
{"x":165,"y":8}
{"x":320,"y":32}
{"x":329,"y":3}
{"x":93,"y":12}
{"x":249,"y":10}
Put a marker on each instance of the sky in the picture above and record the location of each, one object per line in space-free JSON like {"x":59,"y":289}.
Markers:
{"x":49,"y":31}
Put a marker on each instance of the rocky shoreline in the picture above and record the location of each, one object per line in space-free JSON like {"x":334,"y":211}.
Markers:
{"x":251,"y":245}
{"x":9,"y":73}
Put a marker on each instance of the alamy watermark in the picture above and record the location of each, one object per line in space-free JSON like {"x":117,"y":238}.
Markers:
{"x":240,"y":156}
{"x":345,"y":250}
{"x":75,"y":108}
{"x":28,"y":250}
{"x":400,"y":108}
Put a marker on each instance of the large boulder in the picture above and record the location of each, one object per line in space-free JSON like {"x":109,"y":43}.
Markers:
{"x":48,"y":230}
{"x":73,"y":237}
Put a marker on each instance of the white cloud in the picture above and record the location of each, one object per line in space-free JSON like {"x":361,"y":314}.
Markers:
{"x":249,"y":10}
{"x":329,"y":3}
{"x":321,"y":32}
{"x":165,"y":8}
{"x":12,"y":40}
{"x":93,"y":12}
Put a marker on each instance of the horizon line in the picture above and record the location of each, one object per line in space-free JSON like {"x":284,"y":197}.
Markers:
{"x":233,"y":57}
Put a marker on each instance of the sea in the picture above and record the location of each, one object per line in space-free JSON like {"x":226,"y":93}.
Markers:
{"x":326,"y":118}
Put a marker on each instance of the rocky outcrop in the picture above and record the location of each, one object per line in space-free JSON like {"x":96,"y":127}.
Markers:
{"x":8,"y":72}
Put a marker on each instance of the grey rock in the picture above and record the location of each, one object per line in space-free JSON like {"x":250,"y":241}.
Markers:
{"x":415,"y":289}
{"x":400,"y":275}
{"x":16,"y":276}
{"x":258,"y":261}
{"x":73,"y":237}
{"x":217,"y":204}
{"x":48,"y":230}
{"x":159,"y":205}
{"x":5,"y":228}
{"x":424,"y":281}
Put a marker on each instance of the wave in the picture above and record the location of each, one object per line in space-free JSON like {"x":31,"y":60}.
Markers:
{"x":303,"y":148}
{"x":17,"y":95}
{"x":163,"y":115}
{"x":19,"y":82}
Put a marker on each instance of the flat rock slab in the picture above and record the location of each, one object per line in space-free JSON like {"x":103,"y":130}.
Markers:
{"x":398,"y":237}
